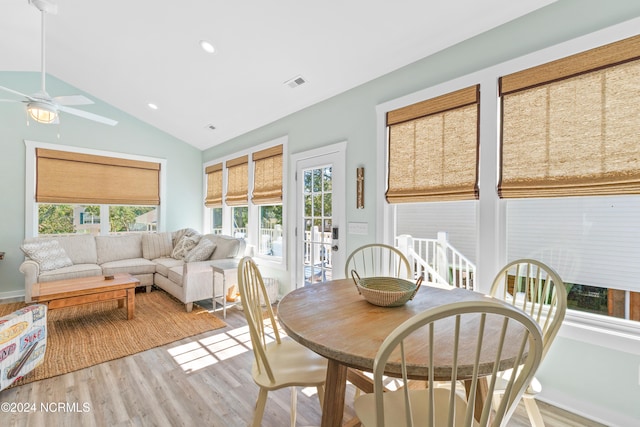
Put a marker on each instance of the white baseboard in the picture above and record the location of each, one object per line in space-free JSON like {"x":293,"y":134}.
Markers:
{"x":586,"y":409}
{"x":11,"y":295}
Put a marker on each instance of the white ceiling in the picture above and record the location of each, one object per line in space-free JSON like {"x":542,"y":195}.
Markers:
{"x":131,"y":52}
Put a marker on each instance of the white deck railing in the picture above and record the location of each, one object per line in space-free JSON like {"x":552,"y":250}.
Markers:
{"x":437,"y":261}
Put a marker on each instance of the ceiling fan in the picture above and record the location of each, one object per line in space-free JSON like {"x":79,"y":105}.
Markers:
{"x":42,"y":107}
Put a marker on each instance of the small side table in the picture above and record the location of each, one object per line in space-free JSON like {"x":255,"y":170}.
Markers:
{"x":228,"y":269}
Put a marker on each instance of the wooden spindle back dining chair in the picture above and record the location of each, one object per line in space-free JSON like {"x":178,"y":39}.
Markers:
{"x":278,"y":363}
{"x":493,"y":324}
{"x":374,"y":260}
{"x":378,"y":260}
{"x":538,"y":290}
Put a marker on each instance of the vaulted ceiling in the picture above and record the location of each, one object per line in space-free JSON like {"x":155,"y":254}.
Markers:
{"x":129,"y":53}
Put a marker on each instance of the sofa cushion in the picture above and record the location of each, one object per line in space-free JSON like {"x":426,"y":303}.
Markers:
{"x":131,"y":266}
{"x":156,"y":245}
{"x":71,"y":272}
{"x":81,"y":248}
{"x":201,"y":252}
{"x":184,"y":245}
{"x":114,"y":248}
{"x":226,"y":247}
{"x":175,"y":275}
{"x":164,"y":264}
{"x":48,"y":254}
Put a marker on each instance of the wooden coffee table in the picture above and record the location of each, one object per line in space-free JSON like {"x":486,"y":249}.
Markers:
{"x":85,"y":290}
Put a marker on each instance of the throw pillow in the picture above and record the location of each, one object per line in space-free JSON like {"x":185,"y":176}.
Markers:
{"x":156,"y":245}
{"x":48,"y":254}
{"x":184,"y":245}
{"x":201,"y":252}
{"x":184,"y":232}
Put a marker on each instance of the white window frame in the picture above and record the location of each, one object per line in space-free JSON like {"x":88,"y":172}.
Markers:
{"x":31,"y":207}
{"x":600,"y":330}
{"x":254,"y":210}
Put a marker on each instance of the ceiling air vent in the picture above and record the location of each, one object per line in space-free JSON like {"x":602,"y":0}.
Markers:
{"x":295,"y":82}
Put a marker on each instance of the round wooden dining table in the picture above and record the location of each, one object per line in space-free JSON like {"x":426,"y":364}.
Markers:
{"x":332,"y":319}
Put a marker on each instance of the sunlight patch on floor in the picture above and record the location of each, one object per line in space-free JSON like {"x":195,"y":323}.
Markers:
{"x":210,"y":350}
{"x":309,"y":391}
{"x":218,"y":347}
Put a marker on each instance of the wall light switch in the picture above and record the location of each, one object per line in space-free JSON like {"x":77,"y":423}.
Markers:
{"x":359,"y":228}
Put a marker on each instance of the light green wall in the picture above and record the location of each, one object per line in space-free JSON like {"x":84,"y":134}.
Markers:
{"x":597,"y":374}
{"x":184,"y":163}
{"x":351,"y":116}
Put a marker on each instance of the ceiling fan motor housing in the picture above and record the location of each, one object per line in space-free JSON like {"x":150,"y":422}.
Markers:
{"x":45,"y":6}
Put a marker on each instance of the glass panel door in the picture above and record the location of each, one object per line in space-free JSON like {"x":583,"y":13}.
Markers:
{"x":320,"y":215}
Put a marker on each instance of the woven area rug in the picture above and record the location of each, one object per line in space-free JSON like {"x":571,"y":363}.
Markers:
{"x":83,"y":336}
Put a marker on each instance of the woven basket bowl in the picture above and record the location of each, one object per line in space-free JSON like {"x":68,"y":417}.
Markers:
{"x":386,"y":291}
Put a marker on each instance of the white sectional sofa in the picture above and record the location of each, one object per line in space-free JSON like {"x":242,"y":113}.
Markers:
{"x":178,"y":262}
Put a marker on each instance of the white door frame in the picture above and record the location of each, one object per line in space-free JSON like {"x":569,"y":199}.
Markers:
{"x":339,"y":152}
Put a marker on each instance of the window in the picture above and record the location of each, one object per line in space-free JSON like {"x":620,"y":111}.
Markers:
{"x":67,"y":219}
{"x":569,"y":128}
{"x":213,"y":198}
{"x":126,"y":219}
{"x":244,"y":198}
{"x":270,"y":231}
{"x":433,"y":170}
{"x":237,"y":195}
{"x":70,"y":177}
{"x":240,"y":215}
{"x":425,"y":220}
{"x":216,"y":220}
{"x":267,"y":194}
{"x":62,"y":196}
{"x":55,"y":219}
{"x":592,"y":242}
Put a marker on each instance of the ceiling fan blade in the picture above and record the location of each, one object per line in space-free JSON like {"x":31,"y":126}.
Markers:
{"x":10,"y":100}
{"x":87,"y":115}
{"x":15,"y":92}
{"x":72,"y":100}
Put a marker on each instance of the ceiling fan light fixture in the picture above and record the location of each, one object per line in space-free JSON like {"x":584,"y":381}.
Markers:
{"x":42,"y":113}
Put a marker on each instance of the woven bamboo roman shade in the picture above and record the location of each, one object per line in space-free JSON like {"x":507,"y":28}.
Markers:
{"x":267,"y":176}
{"x":66,"y":177}
{"x":570,"y":127}
{"x":433,"y":149}
{"x":214,"y":186}
{"x":237,"y":181}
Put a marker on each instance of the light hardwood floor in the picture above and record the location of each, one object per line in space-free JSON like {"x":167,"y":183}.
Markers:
{"x":204,"y":380}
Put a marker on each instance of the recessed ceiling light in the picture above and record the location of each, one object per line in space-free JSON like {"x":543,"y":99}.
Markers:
{"x":152,"y":106}
{"x":206,"y":46}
